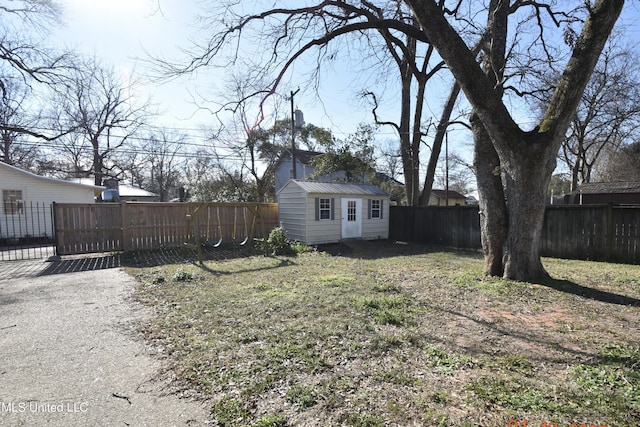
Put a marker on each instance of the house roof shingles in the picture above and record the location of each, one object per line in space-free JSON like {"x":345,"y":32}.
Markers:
{"x":49,"y":179}
{"x":305,"y":156}
{"x":619,"y":187}
{"x":452,"y":194}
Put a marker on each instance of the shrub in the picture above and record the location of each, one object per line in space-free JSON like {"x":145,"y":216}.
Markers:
{"x":182,"y":276}
{"x":278,"y":244}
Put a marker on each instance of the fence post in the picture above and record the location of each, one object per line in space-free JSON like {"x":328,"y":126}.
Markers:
{"x":610,"y":238}
{"x":124,"y":241}
{"x":54,"y":226}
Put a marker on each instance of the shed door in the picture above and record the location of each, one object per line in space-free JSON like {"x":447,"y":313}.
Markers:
{"x":351,"y":218}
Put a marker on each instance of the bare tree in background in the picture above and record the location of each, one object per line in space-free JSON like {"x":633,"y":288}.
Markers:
{"x":16,"y":148}
{"x":455,"y":174}
{"x":417,"y":64}
{"x":608,"y":114}
{"x":102,"y":109}
{"x":24,"y":55}
{"x":162,"y":163}
{"x":620,"y":163}
{"x":244,"y":150}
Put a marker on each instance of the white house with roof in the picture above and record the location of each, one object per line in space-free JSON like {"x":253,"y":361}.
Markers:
{"x":27,"y":200}
{"x":126,"y":193}
{"x":129,"y":193}
{"x":319,"y":212}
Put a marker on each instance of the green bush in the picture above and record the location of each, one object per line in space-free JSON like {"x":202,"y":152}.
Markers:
{"x":182,"y":276}
{"x":278,"y":244}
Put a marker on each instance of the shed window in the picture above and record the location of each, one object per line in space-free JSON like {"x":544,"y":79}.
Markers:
{"x":12,"y":202}
{"x":324,"y":209}
{"x":375,"y":209}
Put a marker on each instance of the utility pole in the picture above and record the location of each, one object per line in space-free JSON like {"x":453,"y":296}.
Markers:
{"x":293,"y":135}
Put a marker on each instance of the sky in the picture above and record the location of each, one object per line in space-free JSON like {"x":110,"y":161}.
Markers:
{"x":124,"y":33}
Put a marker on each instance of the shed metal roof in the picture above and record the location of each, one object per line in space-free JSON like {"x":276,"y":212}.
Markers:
{"x":338,"y":188}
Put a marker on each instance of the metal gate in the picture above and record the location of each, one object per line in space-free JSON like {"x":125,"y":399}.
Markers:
{"x":26,"y":230}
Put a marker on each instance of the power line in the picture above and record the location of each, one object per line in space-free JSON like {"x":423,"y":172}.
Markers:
{"x":87,"y":150}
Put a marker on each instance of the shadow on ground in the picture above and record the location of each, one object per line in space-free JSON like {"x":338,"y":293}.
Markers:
{"x":76,"y":265}
{"x":350,"y":248}
{"x":377,"y":249}
{"x":153,"y":258}
{"x":589,"y":293}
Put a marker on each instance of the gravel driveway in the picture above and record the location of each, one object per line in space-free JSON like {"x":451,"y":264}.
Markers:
{"x":69,"y":353}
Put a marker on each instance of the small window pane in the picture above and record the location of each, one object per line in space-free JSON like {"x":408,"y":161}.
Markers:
{"x":375,"y":208}
{"x":351,"y":211}
{"x":325,"y":208}
{"x":12,"y":202}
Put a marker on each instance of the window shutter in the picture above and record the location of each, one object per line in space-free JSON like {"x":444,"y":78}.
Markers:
{"x":333,"y":208}
{"x":317,"y":208}
{"x":381,"y":208}
{"x":369,"y":210}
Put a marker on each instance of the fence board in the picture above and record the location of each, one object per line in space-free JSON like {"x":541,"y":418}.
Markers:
{"x":86,"y":228}
{"x":587,"y":232}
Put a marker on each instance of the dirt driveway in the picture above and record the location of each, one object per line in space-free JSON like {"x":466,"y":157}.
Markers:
{"x":69,"y":353}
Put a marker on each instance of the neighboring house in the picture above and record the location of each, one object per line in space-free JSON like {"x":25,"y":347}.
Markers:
{"x":315,"y":212}
{"x":284,"y":166}
{"x":472,"y":200}
{"x":127,"y":193}
{"x":440,"y":198}
{"x":622,"y":192}
{"x":27,"y":199}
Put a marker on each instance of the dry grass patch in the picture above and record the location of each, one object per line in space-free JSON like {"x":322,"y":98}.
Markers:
{"x":400,"y":335}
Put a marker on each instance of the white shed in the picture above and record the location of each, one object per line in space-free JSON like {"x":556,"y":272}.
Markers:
{"x":318,"y":212}
{"x":26,"y":201}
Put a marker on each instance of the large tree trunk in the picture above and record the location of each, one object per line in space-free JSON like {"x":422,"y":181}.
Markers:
{"x":526,"y":173}
{"x":406,"y":148}
{"x":494,"y":216}
{"x":512,"y":189}
{"x":416,"y":137}
{"x":493,"y":208}
{"x":6,"y":142}
{"x":98,"y":166}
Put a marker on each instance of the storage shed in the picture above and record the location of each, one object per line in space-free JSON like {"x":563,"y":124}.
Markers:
{"x":318,"y":212}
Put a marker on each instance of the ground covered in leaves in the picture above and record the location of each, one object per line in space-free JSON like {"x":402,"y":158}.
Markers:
{"x":397,"y":335}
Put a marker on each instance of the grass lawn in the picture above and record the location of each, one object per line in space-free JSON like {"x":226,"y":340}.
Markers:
{"x":398,"y":335}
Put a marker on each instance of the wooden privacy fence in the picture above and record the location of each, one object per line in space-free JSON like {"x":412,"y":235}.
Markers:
{"x":455,"y":226}
{"x":592,"y":232}
{"x":587,"y":232}
{"x":105,"y":227}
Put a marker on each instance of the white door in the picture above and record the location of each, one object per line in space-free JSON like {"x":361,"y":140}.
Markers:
{"x":351,"y":218}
